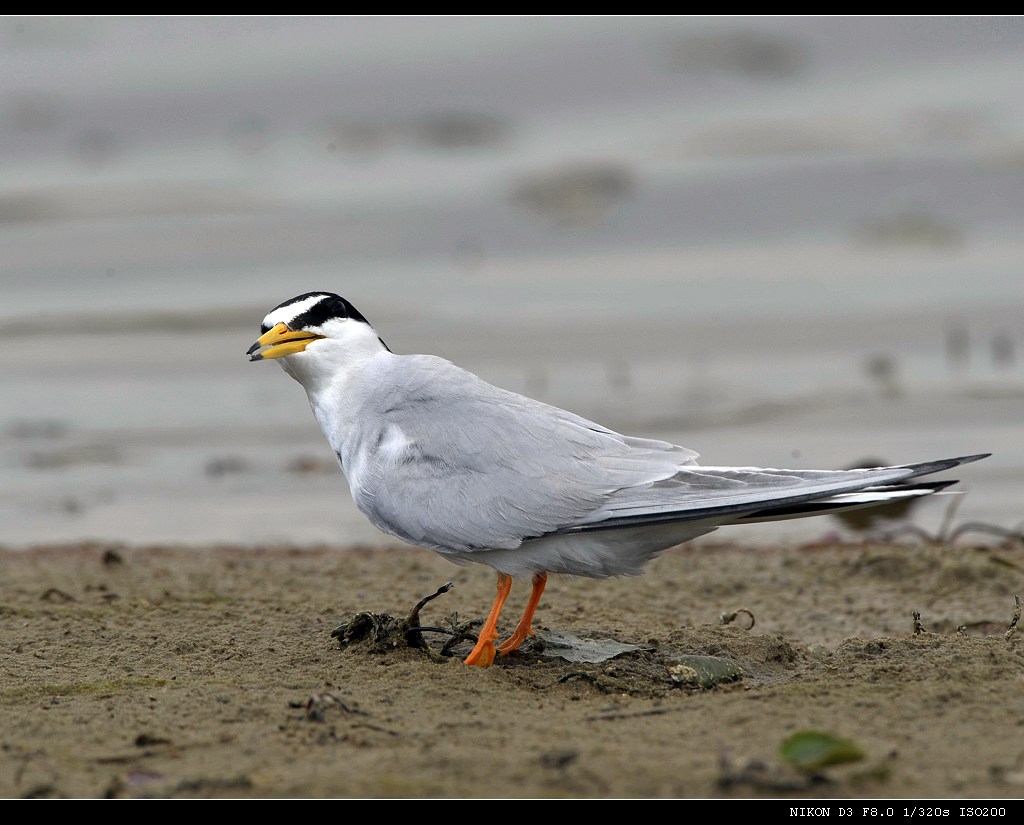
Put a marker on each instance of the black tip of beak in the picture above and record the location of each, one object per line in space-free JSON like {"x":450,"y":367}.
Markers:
{"x":256,"y":357}
{"x":253,"y":349}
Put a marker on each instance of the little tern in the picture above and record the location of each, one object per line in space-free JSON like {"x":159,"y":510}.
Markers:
{"x":442,"y":459}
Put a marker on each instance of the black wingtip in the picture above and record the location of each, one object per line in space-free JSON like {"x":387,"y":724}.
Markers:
{"x":928,"y":467}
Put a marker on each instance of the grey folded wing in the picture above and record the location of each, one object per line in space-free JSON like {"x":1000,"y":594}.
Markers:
{"x":483,"y":468}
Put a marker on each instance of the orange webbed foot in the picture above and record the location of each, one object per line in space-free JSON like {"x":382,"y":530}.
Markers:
{"x":514,"y":642}
{"x":483,"y":654}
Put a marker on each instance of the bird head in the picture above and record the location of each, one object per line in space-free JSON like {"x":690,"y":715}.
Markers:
{"x":313,"y":327}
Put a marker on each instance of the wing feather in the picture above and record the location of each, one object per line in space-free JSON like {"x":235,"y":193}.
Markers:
{"x":456,"y":464}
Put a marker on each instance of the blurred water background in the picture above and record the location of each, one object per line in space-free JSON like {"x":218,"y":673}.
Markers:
{"x":778,"y":241}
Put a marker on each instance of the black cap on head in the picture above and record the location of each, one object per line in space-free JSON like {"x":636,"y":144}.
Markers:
{"x":316,"y":312}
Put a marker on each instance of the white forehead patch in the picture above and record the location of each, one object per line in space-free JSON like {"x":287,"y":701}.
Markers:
{"x":283,"y":315}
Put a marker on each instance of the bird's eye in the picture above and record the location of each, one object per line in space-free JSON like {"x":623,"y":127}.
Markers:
{"x":340,"y":308}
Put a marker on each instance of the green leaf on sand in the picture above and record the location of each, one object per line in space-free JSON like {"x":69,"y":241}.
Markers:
{"x":810,"y":749}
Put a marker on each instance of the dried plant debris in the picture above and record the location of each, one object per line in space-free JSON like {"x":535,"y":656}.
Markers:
{"x":384,"y":633}
{"x":1016,"y":618}
{"x":984,"y":627}
{"x":947,"y":534}
{"x":729,"y":618}
{"x":317,"y":707}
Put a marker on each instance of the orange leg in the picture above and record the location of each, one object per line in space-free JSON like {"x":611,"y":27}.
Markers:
{"x":483,"y":653}
{"x":525,"y":627}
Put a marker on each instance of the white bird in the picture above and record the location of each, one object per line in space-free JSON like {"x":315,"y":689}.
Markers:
{"x":440,"y":458}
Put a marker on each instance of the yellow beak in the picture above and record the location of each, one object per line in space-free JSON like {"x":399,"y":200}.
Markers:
{"x":280,"y":341}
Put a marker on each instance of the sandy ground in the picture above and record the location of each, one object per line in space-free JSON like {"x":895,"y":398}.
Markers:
{"x":182,"y":672}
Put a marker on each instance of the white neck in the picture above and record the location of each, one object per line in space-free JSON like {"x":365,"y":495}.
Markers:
{"x":326,"y":362}
{"x":333,"y":371}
